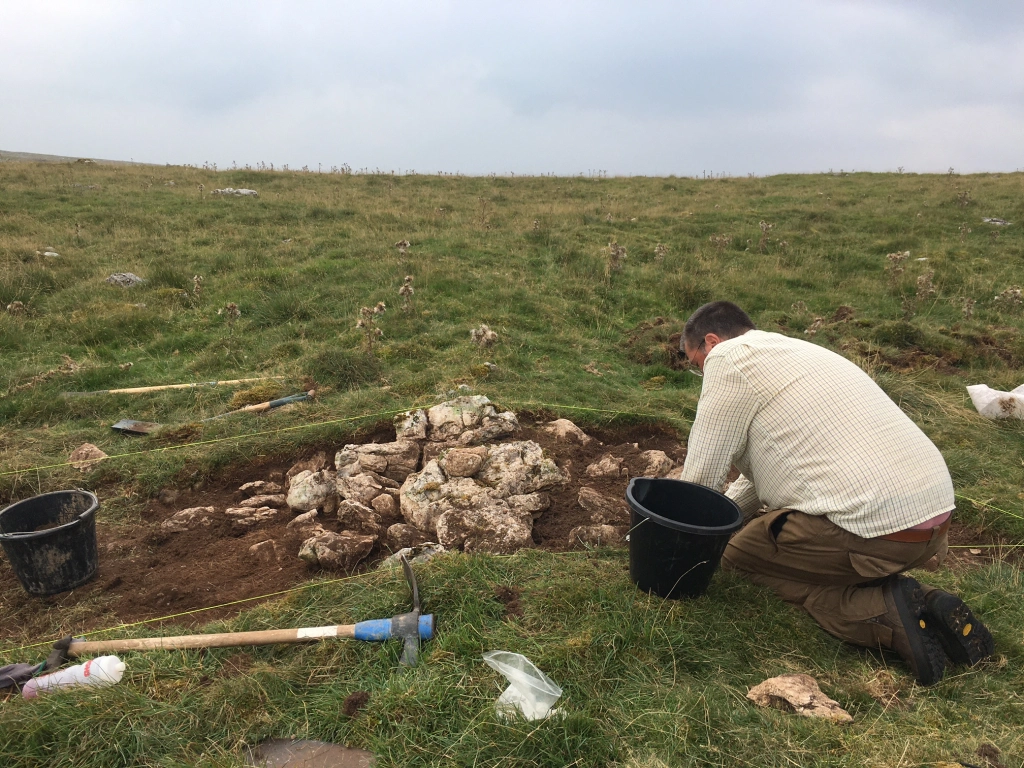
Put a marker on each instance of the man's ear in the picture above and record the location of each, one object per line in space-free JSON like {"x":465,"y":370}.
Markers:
{"x":710,"y":340}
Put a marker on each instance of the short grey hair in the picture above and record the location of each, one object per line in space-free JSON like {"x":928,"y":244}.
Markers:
{"x":722,"y":318}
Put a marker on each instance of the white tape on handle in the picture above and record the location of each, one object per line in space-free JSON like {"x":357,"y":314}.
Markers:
{"x":317,"y":632}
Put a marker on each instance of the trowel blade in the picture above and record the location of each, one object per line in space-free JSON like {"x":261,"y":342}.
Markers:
{"x":132,"y":427}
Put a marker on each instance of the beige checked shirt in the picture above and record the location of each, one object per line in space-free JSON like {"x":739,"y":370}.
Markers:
{"x":809,"y":430}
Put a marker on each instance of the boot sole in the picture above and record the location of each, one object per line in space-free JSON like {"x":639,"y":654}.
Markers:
{"x":966,"y":640}
{"x":929,"y":657}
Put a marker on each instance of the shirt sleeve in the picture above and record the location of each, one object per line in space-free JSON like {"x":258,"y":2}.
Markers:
{"x":742,"y":491}
{"x":725,"y":410}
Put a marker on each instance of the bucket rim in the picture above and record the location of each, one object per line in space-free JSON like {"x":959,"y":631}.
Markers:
{"x":82,"y":517}
{"x":705,"y":530}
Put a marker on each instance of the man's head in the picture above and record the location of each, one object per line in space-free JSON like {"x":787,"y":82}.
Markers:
{"x":710,"y":325}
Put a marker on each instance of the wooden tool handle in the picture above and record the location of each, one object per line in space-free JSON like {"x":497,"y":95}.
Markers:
{"x":221,"y":640}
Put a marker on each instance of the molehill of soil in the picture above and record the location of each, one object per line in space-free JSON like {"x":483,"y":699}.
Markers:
{"x":146,"y":572}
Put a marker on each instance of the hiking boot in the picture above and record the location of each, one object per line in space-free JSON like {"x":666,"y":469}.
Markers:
{"x":912,"y":635}
{"x":966,"y":640}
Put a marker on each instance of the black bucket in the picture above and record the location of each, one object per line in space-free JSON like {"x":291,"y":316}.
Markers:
{"x":50,"y":540}
{"x":677,"y":534}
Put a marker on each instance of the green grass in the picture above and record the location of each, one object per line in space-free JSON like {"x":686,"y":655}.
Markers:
{"x":647,"y":682}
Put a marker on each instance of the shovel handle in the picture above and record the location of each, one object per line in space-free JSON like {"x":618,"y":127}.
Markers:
{"x":372,"y":630}
{"x":220,"y":640}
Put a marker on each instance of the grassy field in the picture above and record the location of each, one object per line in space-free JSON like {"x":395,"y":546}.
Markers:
{"x":647,"y":683}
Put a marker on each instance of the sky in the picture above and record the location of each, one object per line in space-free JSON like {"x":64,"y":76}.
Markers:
{"x":731,"y":87}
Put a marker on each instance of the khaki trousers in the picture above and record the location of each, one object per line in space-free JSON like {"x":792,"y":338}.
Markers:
{"x":834,"y":575}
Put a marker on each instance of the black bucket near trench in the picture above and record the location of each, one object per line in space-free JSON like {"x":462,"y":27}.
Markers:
{"x":677,"y":534}
{"x":50,"y":540}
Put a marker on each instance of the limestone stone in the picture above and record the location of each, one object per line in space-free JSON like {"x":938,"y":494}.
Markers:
{"x":411,"y":425}
{"x":395,"y":460}
{"x":800,"y":694}
{"x":655,"y":464}
{"x":261,"y":487}
{"x":518,"y":467}
{"x":265,"y":551}
{"x":421,"y":553}
{"x":359,"y":517}
{"x":401,"y":536}
{"x":86,"y":456}
{"x":428,"y":494}
{"x":309,"y":490}
{"x":565,"y":431}
{"x":493,"y":528}
{"x":339,"y":551}
{"x":492,"y":428}
{"x":385,"y":505}
{"x":583,"y":536}
{"x":305,"y":520}
{"x":469,"y":420}
{"x":450,"y":419}
{"x":247,"y":517}
{"x":314,"y":464}
{"x":363,"y":487}
{"x":187,"y":519}
{"x":532,"y":503}
{"x":277,"y":500}
{"x":462,"y":462}
{"x":606,"y":466}
{"x":601,"y":508}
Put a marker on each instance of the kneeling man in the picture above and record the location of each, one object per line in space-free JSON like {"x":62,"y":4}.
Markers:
{"x":857,"y":492}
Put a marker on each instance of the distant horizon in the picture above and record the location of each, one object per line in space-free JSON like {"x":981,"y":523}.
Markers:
{"x":15,"y":156}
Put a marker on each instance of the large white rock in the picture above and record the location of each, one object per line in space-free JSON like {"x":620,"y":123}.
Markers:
{"x":426,"y":495}
{"x":468,"y":420}
{"x":518,"y":467}
{"x":494,"y":528}
{"x":341,"y":551}
{"x":394,"y":461}
{"x":309,"y":490}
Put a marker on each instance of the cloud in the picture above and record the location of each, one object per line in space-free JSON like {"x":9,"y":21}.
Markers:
{"x":641,"y":87}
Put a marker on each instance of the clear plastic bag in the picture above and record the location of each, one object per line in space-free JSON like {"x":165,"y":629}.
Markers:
{"x":531,"y":693}
{"x":994,"y":404}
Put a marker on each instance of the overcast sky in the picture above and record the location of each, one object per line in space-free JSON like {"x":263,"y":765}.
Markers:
{"x":628,"y":87}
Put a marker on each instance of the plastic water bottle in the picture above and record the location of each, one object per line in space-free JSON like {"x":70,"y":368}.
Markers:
{"x":99,"y":672}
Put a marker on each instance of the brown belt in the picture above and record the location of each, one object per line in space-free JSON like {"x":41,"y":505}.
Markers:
{"x":917,"y":535}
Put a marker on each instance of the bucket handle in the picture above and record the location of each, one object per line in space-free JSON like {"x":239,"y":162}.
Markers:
{"x":80,"y":517}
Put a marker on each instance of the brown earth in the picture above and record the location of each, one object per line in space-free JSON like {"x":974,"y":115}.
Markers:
{"x":147,"y":573}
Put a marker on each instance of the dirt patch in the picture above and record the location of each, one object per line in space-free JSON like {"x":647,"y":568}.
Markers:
{"x":355,"y":702}
{"x":146,"y":572}
{"x":509,"y":597}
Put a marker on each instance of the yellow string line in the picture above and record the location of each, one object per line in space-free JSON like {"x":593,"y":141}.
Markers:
{"x":196,"y":610}
{"x":234,"y":602}
{"x":211,"y":441}
{"x":986,"y":504}
{"x":299,"y":427}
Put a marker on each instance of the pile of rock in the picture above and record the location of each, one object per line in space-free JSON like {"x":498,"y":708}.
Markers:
{"x":446,"y":479}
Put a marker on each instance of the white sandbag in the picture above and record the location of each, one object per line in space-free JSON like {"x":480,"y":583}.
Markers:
{"x":994,"y":404}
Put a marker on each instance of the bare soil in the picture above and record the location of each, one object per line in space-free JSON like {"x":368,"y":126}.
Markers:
{"x":147,"y":573}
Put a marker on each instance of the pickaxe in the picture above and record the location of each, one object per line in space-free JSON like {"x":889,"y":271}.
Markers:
{"x":410,"y":627}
